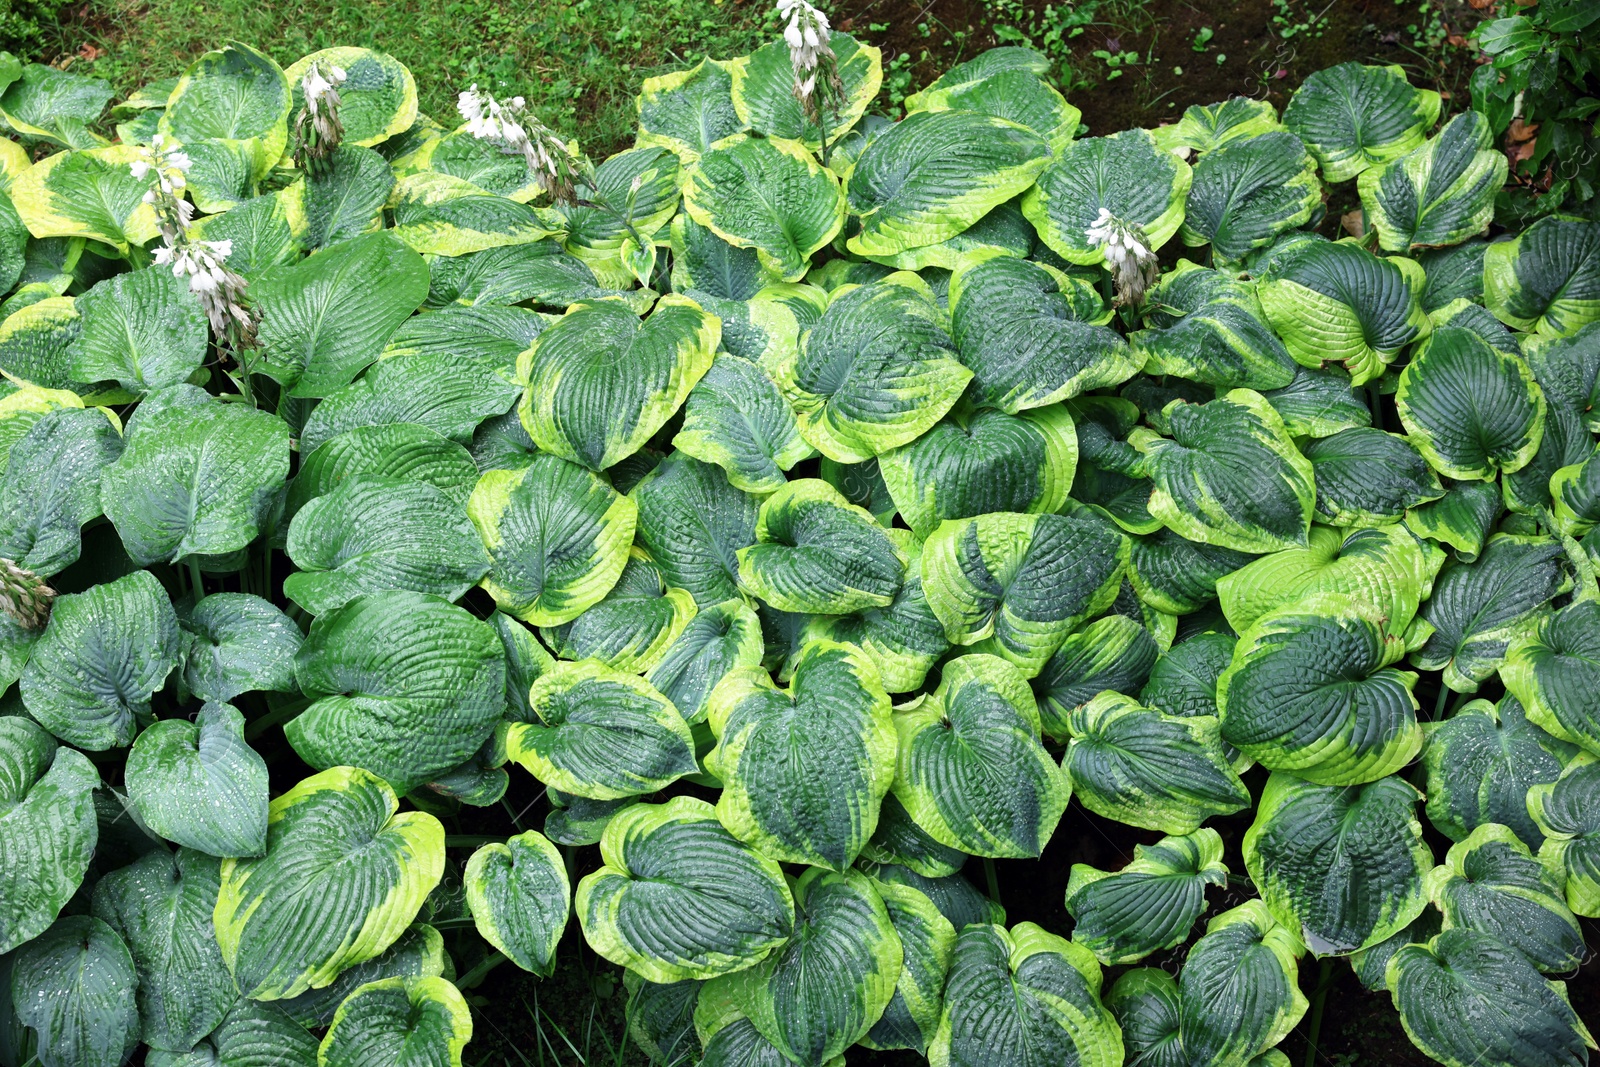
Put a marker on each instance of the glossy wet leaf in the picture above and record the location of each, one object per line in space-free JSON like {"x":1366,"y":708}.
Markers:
{"x":48,"y":829}
{"x":1126,"y":174}
{"x":1440,"y":193}
{"x":1151,"y":903}
{"x":200,"y":784}
{"x":74,"y":987}
{"x":1353,"y":117}
{"x":520,"y":898}
{"x":1470,"y":410}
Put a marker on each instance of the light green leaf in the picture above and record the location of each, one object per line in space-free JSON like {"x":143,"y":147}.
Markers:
{"x":1311,"y":691}
{"x":520,"y":899}
{"x":1466,"y":998}
{"x":970,"y":770}
{"x":88,"y":193}
{"x":399,"y":1022}
{"x":579,"y":407}
{"x":266,"y":231}
{"x":197,"y":477}
{"x":804,"y":769}
{"x":541,"y":273}
{"x":200,"y":784}
{"x":235,"y":94}
{"x":1353,"y":117}
{"x":48,"y":829}
{"x":1151,"y":903}
{"x":327,"y":317}
{"x":1565,"y":812}
{"x":338,"y":858}
{"x":1542,"y":280}
{"x":1018,"y":95}
{"x":935,"y":173}
{"x":1470,"y":410}
{"x":679,"y":897}
{"x":78,"y":984}
{"x":558,"y":536}
{"x":106,"y":650}
{"x":722,"y":638}
{"x":632,"y":627}
{"x":601,"y":734}
{"x":492,"y":334}
{"x":1145,"y":768}
{"x":1319,"y":403}
{"x":822,"y":991}
{"x":1177,"y":576}
{"x":1126,"y":174}
{"x":1206,"y":326}
{"x":1023,"y":998}
{"x":1366,"y":477}
{"x":737,"y":418}
{"x":1553,"y":671}
{"x":875,"y":372}
{"x":44,"y":103}
{"x":1440,"y":193}
{"x":144,"y":329}
{"x":346,"y":199}
{"x":769,"y":195}
{"x":1113,"y":652}
{"x":1248,"y":191}
{"x":1204,"y":127}
{"x":1463,"y":518}
{"x":418,"y":952}
{"x":693,"y":524}
{"x":52,"y":488}
{"x":1231,"y":476}
{"x":161,"y":908}
{"x":1363,"y":840}
{"x":36,"y":344}
{"x":439,"y":214}
{"x":1016,"y":585}
{"x":599,"y":237}
{"x":402,"y":450}
{"x":898,"y":840}
{"x":815,"y":552}
{"x":688,"y":111}
{"x":704,"y":262}
{"x":370,"y":534}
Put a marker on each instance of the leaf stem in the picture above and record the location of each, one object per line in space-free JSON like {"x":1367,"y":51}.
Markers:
{"x":1319,"y":1001}
{"x":194,"y":578}
{"x":476,"y":975}
{"x":281,"y":713}
{"x":1375,"y":403}
{"x":993,"y":877}
{"x":1438,"y":704}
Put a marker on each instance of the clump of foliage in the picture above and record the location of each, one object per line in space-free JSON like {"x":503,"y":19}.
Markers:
{"x":807,"y":530}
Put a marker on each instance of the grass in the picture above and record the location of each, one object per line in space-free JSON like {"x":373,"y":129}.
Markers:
{"x":578,"y":62}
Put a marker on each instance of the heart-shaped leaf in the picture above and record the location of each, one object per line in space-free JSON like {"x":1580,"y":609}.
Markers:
{"x":80,"y":983}
{"x":1440,"y":193}
{"x":200,"y":784}
{"x":1470,"y":410}
{"x":144,"y":329}
{"x":52,"y":488}
{"x":399,"y":1020}
{"x":767,"y":194}
{"x":1125,"y":175}
{"x":1353,"y":117}
{"x":236,"y":643}
{"x":1150,"y":904}
{"x":520,"y":899}
{"x":48,"y":827}
{"x":815,"y":552}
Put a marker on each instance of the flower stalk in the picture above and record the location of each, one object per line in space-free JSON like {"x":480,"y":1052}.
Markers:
{"x":317,"y":129}
{"x":1133,"y":264}
{"x":24,"y":596}
{"x":817,"y":85}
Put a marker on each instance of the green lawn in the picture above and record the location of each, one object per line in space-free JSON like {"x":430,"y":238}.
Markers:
{"x":579,"y":62}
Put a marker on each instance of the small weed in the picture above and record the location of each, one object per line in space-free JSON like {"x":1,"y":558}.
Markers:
{"x":1295,"y":18}
{"x":1202,"y":38}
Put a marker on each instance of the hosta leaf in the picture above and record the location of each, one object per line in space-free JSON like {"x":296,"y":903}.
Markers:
{"x":200,"y":784}
{"x":763,"y":90}
{"x":898,"y":840}
{"x":324,"y":319}
{"x":1465,"y":997}
{"x":52,"y":488}
{"x":956,"y":898}
{"x":1546,"y":279}
{"x":1248,"y":191}
{"x":578,"y":407}
{"x":161,"y":907}
{"x":342,"y":878}
{"x":1478,"y":610}
{"x":1206,"y":326}
{"x":1319,"y":403}
{"x":1125,"y":174}
{"x":38,"y":98}
{"x":1353,"y":117}
{"x":679,"y":897}
{"x":371,"y":534}
{"x":1016,"y":94}
{"x":1565,"y":811}
{"x":1146,"y":1005}
{"x":688,"y":111}
{"x":1023,"y":998}
{"x":767,"y":194}
{"x":541,"y":273}
{"x":973,"y":463}
{"x":1146,"y":768}
{"x":737,"y":418}
{"x":1175,"y":575}
{"x":1183,"y":681}
{"x":661,"y":1019}
{"x":1455,"y":272}
{"x":254,"y":1034}
{"x":904,"y":639}
{"x":1440,"y":193}
{"x":36,"y":344}
{"x":495,"y":335}
{"x":1386,"y":570}
{"x":646,"y":177}
{"x":728,"y":1039}
{"x":91,"y":675}
{"x":1113,"y":652}
{"x":1231,"y":476}
{"x":815,"y":552}
{"x":1016,"y":585}
{"x":1031,"y":336}
{"x":601,"y":734}
{"x":520,"y":899}
{"x":1552,"y":670}
{"x":1342,"y":865}
{"x":398,"y":1022}
{"x":1575,"y":494}
{"x":693,"y":524}
{"x":403,"y":450}
{"x":1469,"y":409}
{"x":502,"y":443}
{"x":1204,"y":127}
{"x":88,"y":193}
{"x":1338,"y":302}
{"x":1311,"y":691}
{"x":377,"y":100}
{"x":440,"y":214}
{"x":347,"y":198}
{"x":1490,"y":883}
{"x":1366,"y":477}
{"x":234,"y":94}
{"x":1002,"y":232}
{"x":1237,"y":990}
{"x":632,"y":627}
{"x":971,"y":770}
{"x":403,"y":685}
{"x":935,"y":173}
{"x":48,"y":830}
{"x":266,"y":231}
{"x":1151,"y":903}
{"x":926,"y":939}
{"x":704,"y":262}
{"x":1463,"y":518}
{"x":875,"y":372}
{"x":459,"y":154}
{"x":558,"y":536}
{"x":75,"y":988}
{"x":418,"y":952}
{"x":720,"y":639}
{"x":144,"y":329}
{"x":984,"y":65}
{"x":221,"y":172}
{"x":197,"y":477}
{"x":1480,"y":764}
{"x":804,"y":769}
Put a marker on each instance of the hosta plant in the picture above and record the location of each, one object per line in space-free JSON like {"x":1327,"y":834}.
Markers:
{"x":425,"y":550}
